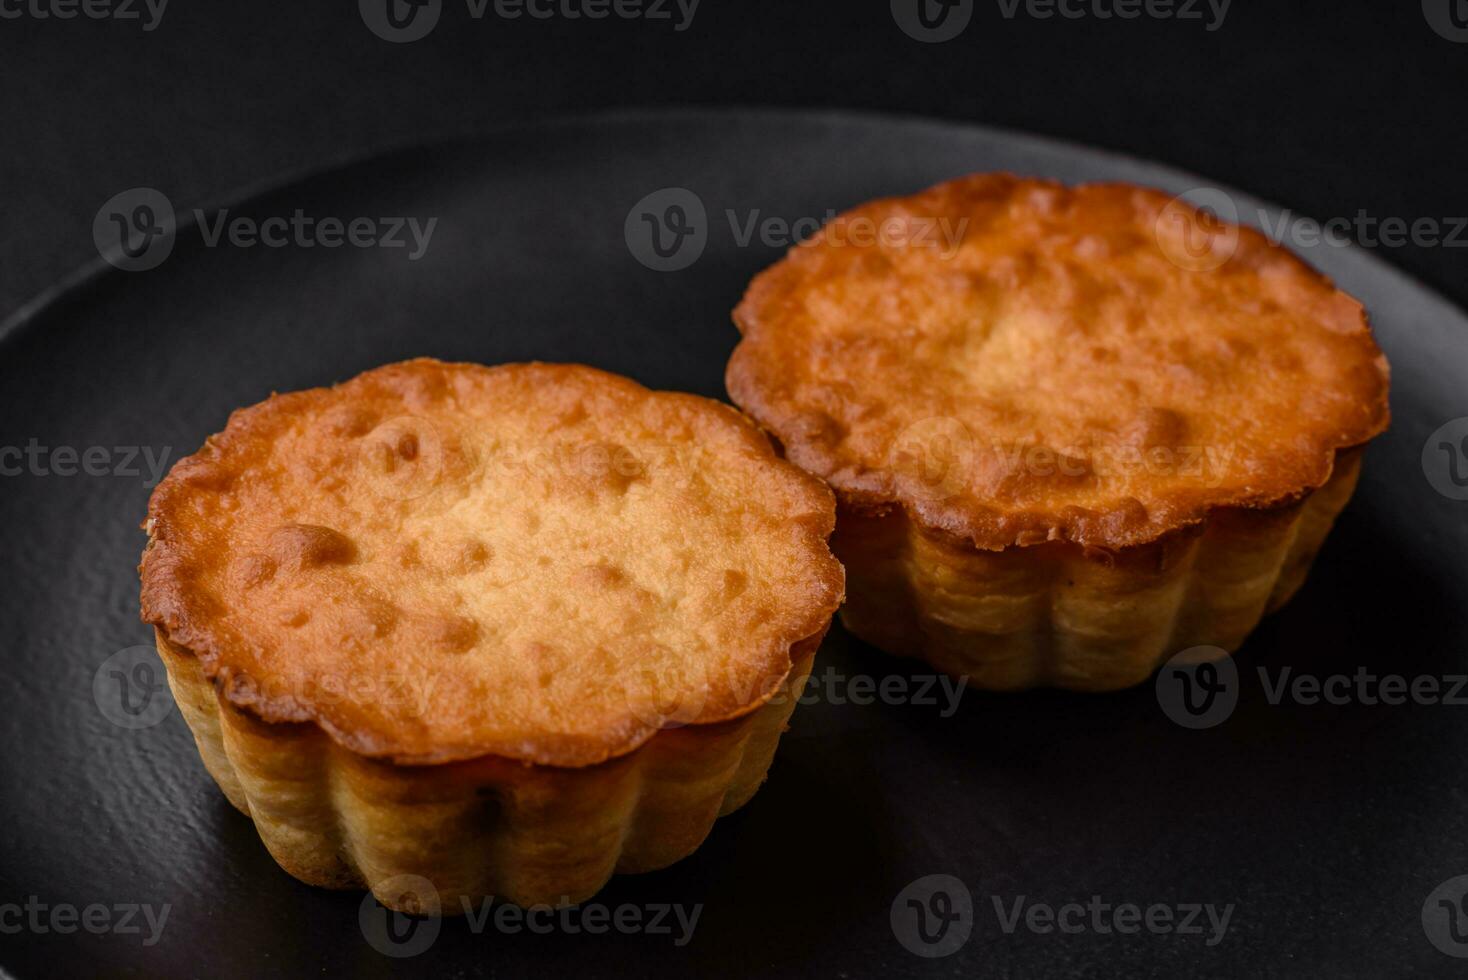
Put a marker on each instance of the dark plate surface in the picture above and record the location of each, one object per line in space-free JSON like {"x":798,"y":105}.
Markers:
{"x":1327,"y":827}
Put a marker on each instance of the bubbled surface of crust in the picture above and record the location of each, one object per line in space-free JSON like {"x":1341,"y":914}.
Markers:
{"x":1014,"y":361}
{"x":436,"y":562}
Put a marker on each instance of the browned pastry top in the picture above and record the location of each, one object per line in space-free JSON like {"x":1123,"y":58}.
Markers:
{"x":440,"y":561}
{"x":1015,"y":361}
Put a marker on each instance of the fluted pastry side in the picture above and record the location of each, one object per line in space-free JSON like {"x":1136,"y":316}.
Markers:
{"x":524,"y":833}
{"x":1055,"y":615}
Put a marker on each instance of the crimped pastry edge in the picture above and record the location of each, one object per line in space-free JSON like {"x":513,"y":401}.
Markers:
{"x":169,"y":600}
{"x":760,"y":381}
{"x":1081,"y":619}
{"x":491,"y":827}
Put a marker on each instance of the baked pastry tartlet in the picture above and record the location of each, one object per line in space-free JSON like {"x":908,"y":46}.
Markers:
{"x":447,"y":631}
{"x":1072,"y":431}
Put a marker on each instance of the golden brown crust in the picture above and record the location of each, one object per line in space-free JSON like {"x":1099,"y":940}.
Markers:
{"x":436,"y":562}
{"x":1013,"y":361}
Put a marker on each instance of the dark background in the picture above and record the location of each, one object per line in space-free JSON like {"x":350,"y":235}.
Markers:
{"x":1344,"y":819}
{"x":1327,"y":107}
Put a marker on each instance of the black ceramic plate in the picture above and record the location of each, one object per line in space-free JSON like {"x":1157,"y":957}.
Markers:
{"x":1328,"y":827}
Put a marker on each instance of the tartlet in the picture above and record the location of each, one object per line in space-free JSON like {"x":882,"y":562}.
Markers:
{"x":1072,"y":430}
{"x":449,"y":631}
